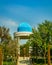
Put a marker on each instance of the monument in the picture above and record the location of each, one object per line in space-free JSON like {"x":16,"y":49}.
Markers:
{"x":23,"y":32}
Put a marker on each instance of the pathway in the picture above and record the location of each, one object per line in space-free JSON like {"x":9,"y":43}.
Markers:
{"x":23,"y":61}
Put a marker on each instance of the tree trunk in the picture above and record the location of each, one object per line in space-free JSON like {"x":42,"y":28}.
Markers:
{"x":44,"y":58}
{"x":45,"y":55}
{"x":0,"y":56}
{"x":49,"y":54}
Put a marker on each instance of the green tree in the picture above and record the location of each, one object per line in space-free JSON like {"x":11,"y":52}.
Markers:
{"x":35,"y":42}
{"x":5,"y":37}
{"x":8,"y":44}
{"x":26,"y":46}
{"x":45,"y":30}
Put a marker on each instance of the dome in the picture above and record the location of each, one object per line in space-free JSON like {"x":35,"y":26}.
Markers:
{"x":24,"y":27}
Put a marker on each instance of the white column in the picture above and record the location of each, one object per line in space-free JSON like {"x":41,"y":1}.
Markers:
{"x":17,"y":41}
{"x":18,"y":44}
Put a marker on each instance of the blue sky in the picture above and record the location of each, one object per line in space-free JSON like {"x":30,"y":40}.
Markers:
{"x":14,"y":12}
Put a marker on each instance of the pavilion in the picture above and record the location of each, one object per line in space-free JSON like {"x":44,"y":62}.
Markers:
{"x":23,"y":32}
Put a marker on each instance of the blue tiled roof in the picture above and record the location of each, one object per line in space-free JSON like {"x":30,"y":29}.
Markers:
{"x":24,"y":27}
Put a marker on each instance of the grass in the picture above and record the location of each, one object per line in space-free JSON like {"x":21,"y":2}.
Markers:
{"x":42,"y":64}
{"x":12,"y":63}
{"x":8,"y":63}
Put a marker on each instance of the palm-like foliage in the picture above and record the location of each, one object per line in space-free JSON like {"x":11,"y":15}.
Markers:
{"x":4,"y":39}
{"x":42,"y":37}
{"x":0,"y":31}
{"x":4,"y":34}
{"x":35,"y":42}
{"x":35,"y":37}
{"x":45,"y":30}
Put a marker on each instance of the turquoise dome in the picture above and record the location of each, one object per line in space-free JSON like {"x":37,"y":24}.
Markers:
{"x":24,"y":27}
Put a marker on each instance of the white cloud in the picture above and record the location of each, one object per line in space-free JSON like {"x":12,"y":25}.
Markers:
{"x":8,"y":22}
